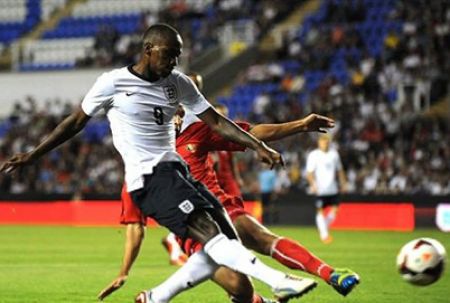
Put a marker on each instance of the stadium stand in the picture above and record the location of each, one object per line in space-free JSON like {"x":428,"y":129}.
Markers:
{"x":99,"y":32}
{"x":18,"y":17}
{"x":364,"y":63}
{"x":105,"y":33}
{"x":372,"y":65}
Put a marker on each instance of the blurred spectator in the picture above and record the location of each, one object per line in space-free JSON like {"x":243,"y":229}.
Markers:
{"x":375,"y":96}
{"x":105,"y":41}
{"x":199,"y":22}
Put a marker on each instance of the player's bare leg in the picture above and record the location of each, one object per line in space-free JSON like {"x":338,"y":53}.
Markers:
{"x":176,"y":255}
{"x":291,"y":254}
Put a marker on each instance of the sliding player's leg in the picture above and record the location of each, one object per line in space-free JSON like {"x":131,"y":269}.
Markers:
{"x":292,"y":254}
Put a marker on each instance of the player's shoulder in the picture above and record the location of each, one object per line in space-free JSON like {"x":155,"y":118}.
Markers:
{"x":114,"y":74}
{"x":117,"y":72}
{"x":180,"y":79}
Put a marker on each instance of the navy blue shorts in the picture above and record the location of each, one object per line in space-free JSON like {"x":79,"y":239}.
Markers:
{"x":170,"y":195}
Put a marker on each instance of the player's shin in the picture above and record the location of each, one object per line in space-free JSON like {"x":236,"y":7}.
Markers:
{"x":198,"y":268}
{"x":295,"y":256}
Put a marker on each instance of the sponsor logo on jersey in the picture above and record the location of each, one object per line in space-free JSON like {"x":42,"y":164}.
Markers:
{"x":170,"y":91}
{"x":186,"y":206}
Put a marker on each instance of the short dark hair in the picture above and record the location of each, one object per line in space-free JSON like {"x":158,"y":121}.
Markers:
{"x":160,"y":32}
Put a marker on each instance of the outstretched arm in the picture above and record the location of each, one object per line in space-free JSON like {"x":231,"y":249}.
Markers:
{"x":273,"y":132}
{"x":231,"y":131}
{"x":68,"y":128}
{"x":134,"y":237}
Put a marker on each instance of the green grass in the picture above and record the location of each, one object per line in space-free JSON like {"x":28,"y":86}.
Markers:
{"x":70,"y":264}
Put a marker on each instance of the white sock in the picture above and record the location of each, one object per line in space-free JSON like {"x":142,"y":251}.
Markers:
{"x":176,"y":249}
{"x":232,"y":254}
{"x":197,"y":269}
{"x":322,"y":225}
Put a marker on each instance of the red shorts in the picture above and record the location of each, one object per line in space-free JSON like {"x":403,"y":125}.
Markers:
{"x":130,"y":212}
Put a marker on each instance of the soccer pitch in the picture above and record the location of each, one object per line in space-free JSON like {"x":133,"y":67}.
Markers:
{"x":72,"y":264}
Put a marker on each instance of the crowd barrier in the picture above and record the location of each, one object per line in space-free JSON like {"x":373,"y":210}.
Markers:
{"x":77,"y":213}
{"x":356,"y":212}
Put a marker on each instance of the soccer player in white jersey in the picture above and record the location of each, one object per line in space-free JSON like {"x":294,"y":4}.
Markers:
{"x":326,"y":177}
{"x":140,"y":101}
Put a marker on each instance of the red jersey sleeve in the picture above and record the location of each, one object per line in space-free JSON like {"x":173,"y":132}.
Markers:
{"x":217,"y":142}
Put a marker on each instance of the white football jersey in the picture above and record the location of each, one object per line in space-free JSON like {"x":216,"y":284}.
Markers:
{"x":324,"y":166}
{"x":188,"y":119}
{"x":140,"y":114}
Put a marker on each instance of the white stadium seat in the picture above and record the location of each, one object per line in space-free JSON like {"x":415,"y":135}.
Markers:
{"x":13,"y":11}
{"x":57,"y":51}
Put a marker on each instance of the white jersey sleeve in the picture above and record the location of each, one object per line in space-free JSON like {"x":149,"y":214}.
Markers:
{"x":99,"y":96}
{"x":191,"y":97}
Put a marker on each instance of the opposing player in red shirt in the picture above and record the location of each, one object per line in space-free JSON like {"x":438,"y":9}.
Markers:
{"x":228,"y":172}
{"x":225,"y":165}
{"x":195,"y":142}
